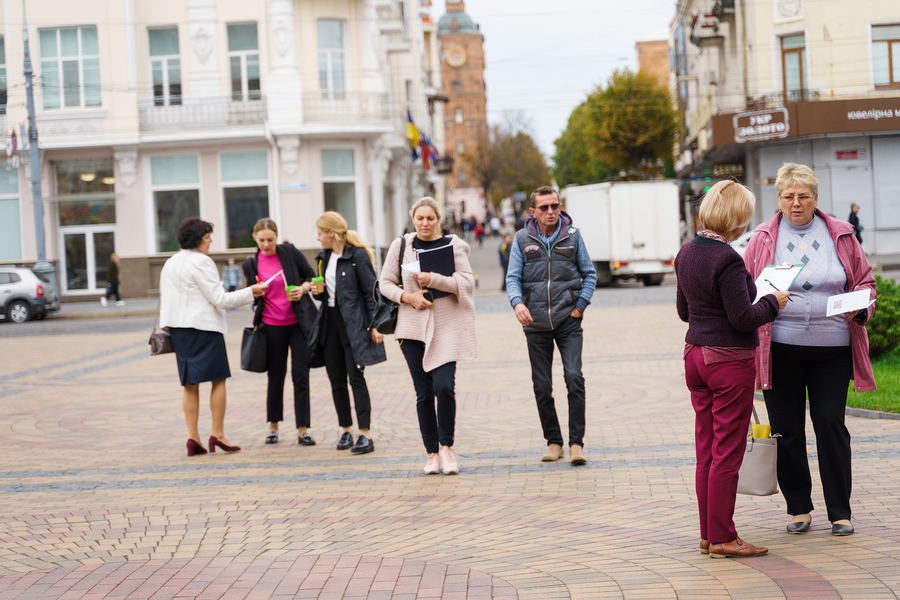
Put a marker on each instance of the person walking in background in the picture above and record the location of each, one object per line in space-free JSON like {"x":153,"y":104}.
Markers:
{"x":435,"y":327}
{"x":549,"y":283}
{"x":505,"y":247}
{"x":191,"y":309}
{"x":112,"y":281}
{"x":479,"y":233}
{"x":715,"y":297}
{"x":807,"y":356}
{"x":853,"y":219}
{"x":231,"y":276}
{"x":341,"y":330}
{"x":287,"y":314}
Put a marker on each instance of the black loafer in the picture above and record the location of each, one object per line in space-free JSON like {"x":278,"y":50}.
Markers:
{"x":272,"y":438}
{"x":841,"y":529}
{"x":363,"y":445}
{"x":346,"y":441}
{"x":306,"y":440}
{"x":798,"y":527}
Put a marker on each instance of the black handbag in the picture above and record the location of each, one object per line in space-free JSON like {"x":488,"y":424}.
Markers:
{"x":253,"y":350}
{"x":384,"y":319}
{"x":160,"y":340}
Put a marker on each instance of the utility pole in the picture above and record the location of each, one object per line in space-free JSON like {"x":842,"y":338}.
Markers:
{"x":34,"y":156}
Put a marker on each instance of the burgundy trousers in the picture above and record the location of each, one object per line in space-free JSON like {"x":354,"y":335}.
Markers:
{"x":722,"y":396}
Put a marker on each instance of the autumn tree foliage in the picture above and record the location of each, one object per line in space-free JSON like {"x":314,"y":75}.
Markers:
{"x":630,"y":121}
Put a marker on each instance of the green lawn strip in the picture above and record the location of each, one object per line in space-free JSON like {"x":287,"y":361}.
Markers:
{"x":887,"y":378}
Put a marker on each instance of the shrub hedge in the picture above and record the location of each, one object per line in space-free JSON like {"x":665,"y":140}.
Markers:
{"x":884,"y":326}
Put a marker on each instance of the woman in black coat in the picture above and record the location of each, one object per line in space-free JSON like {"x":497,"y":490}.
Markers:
{"x":341,"y":333}
{"x":287,"y":316}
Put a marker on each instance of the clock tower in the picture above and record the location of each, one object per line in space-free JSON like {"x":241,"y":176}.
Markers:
{"x":462,"y":75}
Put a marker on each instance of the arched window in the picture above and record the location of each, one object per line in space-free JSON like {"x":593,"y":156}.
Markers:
{"x":454,"y":24}
{"x":458,"y":116}
{"x":457,"y":85}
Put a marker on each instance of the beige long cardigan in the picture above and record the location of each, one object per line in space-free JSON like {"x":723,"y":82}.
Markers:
{"x":448,"y":327}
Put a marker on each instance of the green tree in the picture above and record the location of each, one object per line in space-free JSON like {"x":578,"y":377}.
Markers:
{"x":573,"y":162}
{"x":631,"y":120}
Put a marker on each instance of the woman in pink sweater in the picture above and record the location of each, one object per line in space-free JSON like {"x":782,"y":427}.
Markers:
{"x":435,"y":327}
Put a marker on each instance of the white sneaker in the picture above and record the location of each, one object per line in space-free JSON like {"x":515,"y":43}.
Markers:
{"x":120,"y":303}
{"x":448,"y":460}
{"x":433,"y":466}
{"x":103,"y":301}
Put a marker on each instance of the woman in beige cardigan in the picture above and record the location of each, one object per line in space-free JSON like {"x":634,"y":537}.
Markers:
{"x":435,"y":328}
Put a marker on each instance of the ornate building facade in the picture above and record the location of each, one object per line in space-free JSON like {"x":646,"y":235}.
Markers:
{"x":465,"y":117}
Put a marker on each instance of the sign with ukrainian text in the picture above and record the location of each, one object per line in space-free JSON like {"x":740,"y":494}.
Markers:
{"x":761,"y":125}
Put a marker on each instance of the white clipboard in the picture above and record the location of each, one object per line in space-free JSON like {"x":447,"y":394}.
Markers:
{"x":776,"y":278}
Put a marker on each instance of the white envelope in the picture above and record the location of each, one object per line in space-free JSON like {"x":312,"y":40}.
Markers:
{"x":413,"y":267}
{"x":844,"y":303}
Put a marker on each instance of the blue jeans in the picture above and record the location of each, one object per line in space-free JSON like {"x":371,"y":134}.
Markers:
{"x":436,"y":427}
{"x":569,"y":339}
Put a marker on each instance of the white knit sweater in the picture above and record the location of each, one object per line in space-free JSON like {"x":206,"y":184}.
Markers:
{"x":448,"y":327}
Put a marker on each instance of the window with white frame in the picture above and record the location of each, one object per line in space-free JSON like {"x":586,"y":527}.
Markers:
{"x":460,"y":147}
{"x":10,"y":223}
{"x":886,"y":54}
{"x":3,"y":86}
{"x":245,"y":188}
{"x":175,"y":181}
{"x":70,"y":67}
{"x":793,"y":62}
{"x":339,"y":183}
{"x":165,"y":66}
{"x":331,"y":58}
{"x":458,"y":116}
{"x":243,"y":57}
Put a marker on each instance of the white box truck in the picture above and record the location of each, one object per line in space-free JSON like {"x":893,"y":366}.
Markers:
{"x":631,"y":229}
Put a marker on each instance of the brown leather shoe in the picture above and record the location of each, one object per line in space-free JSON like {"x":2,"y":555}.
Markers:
{"x":576,"y":455}
{"x":704,"y":546}
{"x":737,"y":549}
{"x":554,"y":453}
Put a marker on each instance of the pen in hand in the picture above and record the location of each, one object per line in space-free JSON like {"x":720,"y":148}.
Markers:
{"x":776,"y":289}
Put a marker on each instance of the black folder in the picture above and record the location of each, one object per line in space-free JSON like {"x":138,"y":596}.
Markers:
{"x":438,"y":260}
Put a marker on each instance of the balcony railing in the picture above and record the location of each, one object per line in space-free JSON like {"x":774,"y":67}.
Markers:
{"x":359,"y":107}
{"x":201,"y":113}
{"x":779,"y":99}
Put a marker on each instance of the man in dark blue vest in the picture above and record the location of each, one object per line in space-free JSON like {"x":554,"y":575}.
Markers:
{"x":550,"y":282}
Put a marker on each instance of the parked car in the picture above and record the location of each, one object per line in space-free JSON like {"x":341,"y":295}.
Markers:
{"x":740,"y":244}
{"x":25,"y":294}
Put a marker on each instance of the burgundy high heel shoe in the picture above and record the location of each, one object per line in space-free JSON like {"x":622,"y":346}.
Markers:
{"x":194,"y":448}
{"x":214,"y":441}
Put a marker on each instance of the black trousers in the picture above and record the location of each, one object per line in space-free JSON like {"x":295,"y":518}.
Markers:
{"x":280,"y":339}
{"x":437,"y":428}
{"x":569,"y":338}
{"x":824,"y":373}
{"x":340,"y":366}
{"x":112,"y":289}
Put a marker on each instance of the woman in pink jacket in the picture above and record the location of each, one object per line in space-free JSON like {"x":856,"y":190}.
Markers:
{"x":435,"y":327}
{"x":804,"y":353}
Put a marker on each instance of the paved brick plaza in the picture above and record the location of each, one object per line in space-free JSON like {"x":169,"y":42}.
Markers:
{"x":98,"y":500}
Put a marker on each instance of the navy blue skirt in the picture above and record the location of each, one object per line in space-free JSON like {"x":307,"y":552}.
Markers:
{"x":200,"y":354}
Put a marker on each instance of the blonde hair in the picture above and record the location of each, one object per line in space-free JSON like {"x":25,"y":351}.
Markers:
{"x":265,"y":223}
{"x":727,"y":206}
{"x":793,"y":174}
{"x":426,"y":201}
{"x":336,"y":224}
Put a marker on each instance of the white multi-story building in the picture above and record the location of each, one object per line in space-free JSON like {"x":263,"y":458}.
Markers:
{"x":763,"y":83}
{"x":149,"y":112}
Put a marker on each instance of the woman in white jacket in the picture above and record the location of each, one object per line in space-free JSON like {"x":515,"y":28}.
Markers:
{"x":192,"y":309}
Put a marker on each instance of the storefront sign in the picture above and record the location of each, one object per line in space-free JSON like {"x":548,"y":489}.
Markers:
{"x":761,"y":125}
{"x":851,"y":154}
{"x":728,"y":170}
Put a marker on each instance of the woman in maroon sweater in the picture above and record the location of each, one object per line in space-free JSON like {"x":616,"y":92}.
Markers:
{"x":715,"y":298}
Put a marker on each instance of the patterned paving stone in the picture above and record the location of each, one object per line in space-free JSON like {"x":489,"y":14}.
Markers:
{"x":98,"y":500}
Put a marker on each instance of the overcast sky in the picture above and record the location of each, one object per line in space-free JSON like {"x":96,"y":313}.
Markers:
{"x":544,"y":57}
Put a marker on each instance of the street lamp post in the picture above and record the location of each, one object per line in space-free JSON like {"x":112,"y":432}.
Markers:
{"x":34,"y":155}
